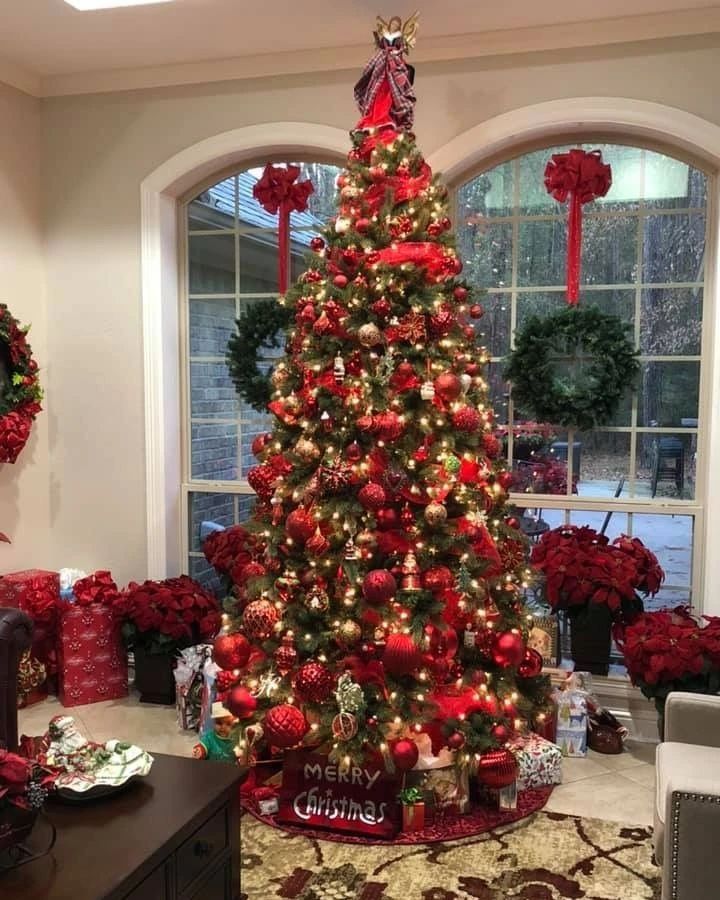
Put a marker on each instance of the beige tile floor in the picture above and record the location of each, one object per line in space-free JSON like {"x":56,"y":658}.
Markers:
{"x":616,"y":788}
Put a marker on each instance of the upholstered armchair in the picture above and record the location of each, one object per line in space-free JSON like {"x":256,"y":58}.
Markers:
{"x":687,"y":804}
{"x":16,"y":630}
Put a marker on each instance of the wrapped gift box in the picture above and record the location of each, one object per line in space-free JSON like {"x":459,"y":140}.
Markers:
{"x":572,"y":722}
{"x":92,"y":662}
{"x":21,"y":590}
{"x":539,"y":761}
{"x":444,"y":786}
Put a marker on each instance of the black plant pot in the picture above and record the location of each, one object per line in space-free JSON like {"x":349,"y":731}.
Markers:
{"x":154,"y":677}
{"x":590,"y":637}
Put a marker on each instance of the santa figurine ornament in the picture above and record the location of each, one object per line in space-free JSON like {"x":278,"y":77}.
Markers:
{"x":219,"y":744}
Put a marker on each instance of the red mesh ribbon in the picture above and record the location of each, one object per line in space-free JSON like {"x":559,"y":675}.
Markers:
{"x":14,"y":433}
{"x":436,"y":262}
{"x":578,"y":177}
{"x":277,"y":191}
{"x":402,"y":188}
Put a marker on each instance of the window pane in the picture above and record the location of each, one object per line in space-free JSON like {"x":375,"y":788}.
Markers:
{"x":609,"y":254}
{"x":608,"y":522}
{"x":486,"y":252}
{"x":666,"y":465}
{"x":542,"y":251}
{"x":668,"y":393}
{"x":534,"y":199}
{"x":212,"y":263}
{"x":490,"y":194}
{"x":493,"y":329}
{"x":253,"y":423}
{"x":671,"y":321}
{"x":671,"y":183}
{"x":217,"y":509}
{"x":498,"y":391}
{"x":214,"y":451}
{"x":212,"y":323}
{"x":538,"y":305}
{"x":604,"y":458}
{"x":674,"y":248}
{"x":670,"y":538}
{"x":212,"y":393}
{"x":322,"y":203}
{"x":214,"y":208}
{"x":258,"y":262}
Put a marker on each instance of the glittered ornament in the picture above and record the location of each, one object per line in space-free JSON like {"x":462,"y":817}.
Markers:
{"x":452,"y":465}
{"x":401,"y":655}
{"x":456,"y":741}
{"x":285,"y":725}
{"x":259,"y":618}
{"x":497,"y":768}
{"x":407,"y":516}
{"x":362,"y":225}
{"x":442,"y":322}
{"x":379,"y":586}
{"x":369,"y":335}
{"x":317,"y":244}
{"x":405,"y":754}
{"x":340,"y":281}
{"x":307,"y":450}
{"x":225,"y":680}
{"x":240,"y":702}
{"x":351,"y":551}
{"x":317,"y":600}
{"x":441,"y":640}
{"x":410,"y":573}
{"x":231,"y":651}
{"x":500,"y":733}
{"x":372,"y":496}
{"x":347,"y":633}
{"x":460,"y":293}
{"x":437,"y":578}
{"x":466,"y":419}
{"x":262,"y":479}
{"x":260,"y":442}
{"x":476,"y":311}
{"x":531,"y":664}
{"x":466,"y":382}
{"x":318,"y":544}
{"x":387,"y":518}
{"x":300,"y":525}
{"x":427,"y":390}
{"x":344,"y":726}
{"x":388,"y":426}
{"x":508,"y":649}
{"x":286,"y":655}
{"x":448,"y":386}
{"x":349,"y":694}
{"x":313,"y":682}
{"x":435,"y":514}
{"x":353,"y":452}
{"x":381,"y":307}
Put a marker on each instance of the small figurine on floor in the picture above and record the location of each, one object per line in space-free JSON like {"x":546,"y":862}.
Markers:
{"x":219,"y":744}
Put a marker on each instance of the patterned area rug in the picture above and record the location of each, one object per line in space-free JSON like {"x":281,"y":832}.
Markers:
{"x":546,"y":857}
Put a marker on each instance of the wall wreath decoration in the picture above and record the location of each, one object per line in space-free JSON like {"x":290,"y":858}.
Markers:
{"x":20,"y":391}
{"x":260,"y":325}
{"x":571,"y":368}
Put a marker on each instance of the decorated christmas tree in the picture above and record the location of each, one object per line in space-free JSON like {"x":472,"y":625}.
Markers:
{"x":377,"y":591}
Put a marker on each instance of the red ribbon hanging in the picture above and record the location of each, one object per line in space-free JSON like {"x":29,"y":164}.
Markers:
{"x":278,"y":192}
{"x":579,"y":177}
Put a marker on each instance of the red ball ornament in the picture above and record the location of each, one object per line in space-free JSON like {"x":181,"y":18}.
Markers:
{"x":372,"y":496}
{"x":497,"y":768}
{"x":286,"y":655}
{"x":456,"y":741}
{"x":448,"y":386}
{"x":405,"y":754}
{"x":381,"y":307}
{"x":473,"y":368}
{"x":508,"y":649}
{"x":401,"y":655}
{"x":353,"y":452}
{"x":259,"y":443}
{"x":248,"y":571}
{"x":466,"y":419}
{"x":262,"y":479}
{"x":512,"y":522}
{"x":285,"y":725}
{"x":317,"y":244}
{"x":225,"y":680}
{"x":388,"y":426}
{"x":387,"y":519}
{"x":501,"y":733}
{"x":240,"y":702}
{"x":505,"y":480}
{"x":491,"y":446}
{"x":259,"y":618}
{"x":362,"y":225}
{"x":446,"y":223}
{"x":442,"y":640}
{"x":531,"y":665}
{"x":314,"y":682}
{"x":340,"y":281}
{"x":438,"y":578}
{"x":379,"y":586}
{"x":300,"y":525}
{"x":476,"y":311}
{"x":231,"y":651}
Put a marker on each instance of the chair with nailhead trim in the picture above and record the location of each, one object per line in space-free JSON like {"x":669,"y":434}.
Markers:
{"x":16,"y":630}
{"x":687,"y":803}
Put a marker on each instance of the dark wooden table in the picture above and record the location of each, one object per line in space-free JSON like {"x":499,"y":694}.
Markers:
{"x":174,"y":834}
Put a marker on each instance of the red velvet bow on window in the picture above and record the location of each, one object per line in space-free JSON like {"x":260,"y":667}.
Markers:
{"x":277,"y":191}
{"x":579,"y":177}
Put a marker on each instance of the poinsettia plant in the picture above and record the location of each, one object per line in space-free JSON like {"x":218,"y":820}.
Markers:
{"x":167,"y":616}
{"x":672,"y":650}
{"x":581,"y":566}
{"x":23,"y":783}
{"x":229,"y":551}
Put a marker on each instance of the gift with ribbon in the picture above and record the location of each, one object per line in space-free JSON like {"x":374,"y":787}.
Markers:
{"x":279,"y":192}
{"x":576,"y":177}
{"x":413,"y":809}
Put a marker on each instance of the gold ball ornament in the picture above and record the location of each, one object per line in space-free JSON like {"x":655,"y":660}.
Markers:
{"x":435,"y":514}
{"x":279,"y":377}
{"x":317,"y":600}
{"x":348,"y":633}
{"x":369,"y":335}
{"x":307,"y":450}
{"x":344,"y":726}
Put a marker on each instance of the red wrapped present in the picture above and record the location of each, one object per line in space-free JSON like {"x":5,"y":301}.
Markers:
{"x":36,"y":592}
{"x":91,"y":656}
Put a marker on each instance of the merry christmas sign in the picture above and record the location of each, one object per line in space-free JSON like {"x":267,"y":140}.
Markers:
{"x":317,"y":793}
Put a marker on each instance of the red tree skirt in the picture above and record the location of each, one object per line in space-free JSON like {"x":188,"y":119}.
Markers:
{"x":479,"y":820}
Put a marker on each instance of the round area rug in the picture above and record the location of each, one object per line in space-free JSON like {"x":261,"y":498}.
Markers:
{"x":548,"y":856}
{"x":479,"y":820}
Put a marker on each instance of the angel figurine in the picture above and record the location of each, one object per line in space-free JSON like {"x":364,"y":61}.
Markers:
{"x":384,"y":93}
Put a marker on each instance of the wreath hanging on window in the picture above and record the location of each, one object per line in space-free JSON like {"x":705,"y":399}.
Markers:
{"x":20,"y":391}
{"x":260,"y":325}
{"x":571,"y":368}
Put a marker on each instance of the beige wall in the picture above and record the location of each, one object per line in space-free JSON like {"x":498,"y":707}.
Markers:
{"x":24,"y":486}
{"x":97,"y":150}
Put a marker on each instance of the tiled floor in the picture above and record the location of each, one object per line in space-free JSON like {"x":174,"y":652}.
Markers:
{"x":616,"y":788}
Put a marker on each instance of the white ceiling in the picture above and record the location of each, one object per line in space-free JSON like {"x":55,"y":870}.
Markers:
{"x":48,"y":40}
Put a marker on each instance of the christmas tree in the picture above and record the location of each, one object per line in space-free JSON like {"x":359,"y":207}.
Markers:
{"x":378,"y":589}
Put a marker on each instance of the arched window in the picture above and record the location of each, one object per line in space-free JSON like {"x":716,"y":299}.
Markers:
{"x":644,"y":260}
{"x":231,"y":260}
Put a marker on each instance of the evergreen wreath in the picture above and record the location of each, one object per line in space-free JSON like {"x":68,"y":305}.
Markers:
{"x":20,"y":391}
{"x":589,"y":393}
{"x":261,"y":324}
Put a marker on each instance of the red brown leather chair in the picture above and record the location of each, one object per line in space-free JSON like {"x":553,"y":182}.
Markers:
{"x":16,"y":630}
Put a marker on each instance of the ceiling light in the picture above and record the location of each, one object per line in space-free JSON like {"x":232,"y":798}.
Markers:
{"x":85,"y":5}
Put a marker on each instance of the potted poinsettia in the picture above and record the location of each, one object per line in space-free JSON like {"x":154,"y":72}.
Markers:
{"x":24,"y":786}
{"x":159,"y":618}
{"x":596,"y":582}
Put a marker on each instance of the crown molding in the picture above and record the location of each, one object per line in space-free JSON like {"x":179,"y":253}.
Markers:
{"x":21,"y":79}
{"x":627,"y":29}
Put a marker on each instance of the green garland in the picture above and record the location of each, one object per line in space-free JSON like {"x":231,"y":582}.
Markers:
{"x":589,"y":394}
{"x":261,"y":324}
